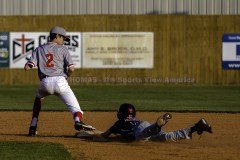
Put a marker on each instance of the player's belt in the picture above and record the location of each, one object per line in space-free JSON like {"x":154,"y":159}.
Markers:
{"x":42,"y":77}
{"x":50,"y":76}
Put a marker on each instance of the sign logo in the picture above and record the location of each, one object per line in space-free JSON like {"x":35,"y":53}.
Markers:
{"x":22,"y":44}
{"x":22,"y":47}
{"x":231,"y":51}
{"x":4,"y":49}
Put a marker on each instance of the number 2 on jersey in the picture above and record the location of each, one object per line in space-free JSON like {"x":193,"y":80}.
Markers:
{"x":49,"y":62}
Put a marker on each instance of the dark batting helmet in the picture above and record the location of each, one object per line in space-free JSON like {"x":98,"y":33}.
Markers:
{"x":125,"y":110}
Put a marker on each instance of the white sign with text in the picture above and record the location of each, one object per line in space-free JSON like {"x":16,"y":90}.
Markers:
{"x":118,"y":50}
{"x":22,"y":44}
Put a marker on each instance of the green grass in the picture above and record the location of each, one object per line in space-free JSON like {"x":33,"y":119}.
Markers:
{"x":33,"y":150}
{"x":144,"y":97}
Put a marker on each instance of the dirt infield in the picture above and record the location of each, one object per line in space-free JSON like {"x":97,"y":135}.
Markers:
{"x":58,"y":127}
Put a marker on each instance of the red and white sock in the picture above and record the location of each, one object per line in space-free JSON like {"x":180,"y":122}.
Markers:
{"x":77,"y":116}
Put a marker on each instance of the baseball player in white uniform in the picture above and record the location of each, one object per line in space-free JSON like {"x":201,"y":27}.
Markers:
{"x":55,"y":65}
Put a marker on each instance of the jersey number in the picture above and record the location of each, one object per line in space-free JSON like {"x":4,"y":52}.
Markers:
{"x":49,"y":62}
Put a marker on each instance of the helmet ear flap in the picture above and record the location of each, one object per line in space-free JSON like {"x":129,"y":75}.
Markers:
{"x":134,"y":112}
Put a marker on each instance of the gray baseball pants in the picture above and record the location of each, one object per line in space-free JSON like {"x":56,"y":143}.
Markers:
{"x":147,"y":131}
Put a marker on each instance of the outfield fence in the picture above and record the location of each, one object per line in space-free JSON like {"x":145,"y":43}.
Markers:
{"x":187,"y":48}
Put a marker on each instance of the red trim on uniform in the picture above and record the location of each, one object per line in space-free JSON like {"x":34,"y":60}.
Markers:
{"x":30,"y":62}
{"x":70,"y":65}
{"x":79,"y":115}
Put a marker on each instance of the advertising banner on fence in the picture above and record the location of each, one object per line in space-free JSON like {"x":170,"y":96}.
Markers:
{"x":22,"y":44}
{"x":231,"y":51}
{"x":4,"y":49}
{"x":75,"y":47}
{"x":118,"y":50}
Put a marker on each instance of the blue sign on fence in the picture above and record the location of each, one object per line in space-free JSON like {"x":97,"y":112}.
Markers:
{"x":231,"y":51}
{"x":4,"y":49}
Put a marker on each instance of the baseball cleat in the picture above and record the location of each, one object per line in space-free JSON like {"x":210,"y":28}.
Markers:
{"x":202,"y":126}
{"x":163,"y":119}
{"x":80,"y":125}
{"x":32,"y":131}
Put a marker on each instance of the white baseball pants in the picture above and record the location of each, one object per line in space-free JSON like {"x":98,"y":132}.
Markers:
{"x":58,"y":85}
